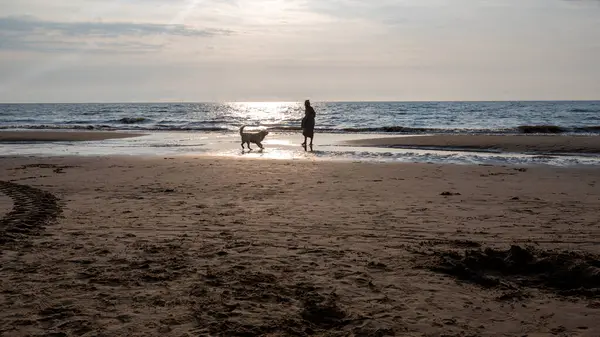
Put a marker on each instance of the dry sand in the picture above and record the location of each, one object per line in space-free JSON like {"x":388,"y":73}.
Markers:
{"x":61,"y":136}
{"x":512,"y":143}
{"x":198,"y":247}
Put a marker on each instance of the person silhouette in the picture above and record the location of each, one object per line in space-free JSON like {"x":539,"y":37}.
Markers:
{"x":308,"y":124}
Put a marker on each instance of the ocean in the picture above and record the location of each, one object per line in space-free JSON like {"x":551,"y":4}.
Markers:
{"x":337,"y":117}
{"x":212,"y":128}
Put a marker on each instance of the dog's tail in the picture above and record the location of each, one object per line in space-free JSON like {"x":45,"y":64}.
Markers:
{"x":242,"y":129}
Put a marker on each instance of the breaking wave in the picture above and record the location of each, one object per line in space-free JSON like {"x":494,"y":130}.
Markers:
{"x":145,"y":125}
{"x":133,"y":120}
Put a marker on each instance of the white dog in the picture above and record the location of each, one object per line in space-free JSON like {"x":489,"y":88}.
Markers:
{"x":255,"y":138}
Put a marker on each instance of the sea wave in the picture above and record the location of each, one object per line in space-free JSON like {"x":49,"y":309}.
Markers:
{"x":394,"y":129}
{"x":558,"y":129}
{"x":146,"y":125}
{"x":542,"y":129}
{"x":186,"y":128}
{"x":592,"y":129}
{"x":584,"y":110}
{"x":109,"y":128}
{"x":522,"y":129}
{"x":133,"y":120}
{"x":56,"y":127}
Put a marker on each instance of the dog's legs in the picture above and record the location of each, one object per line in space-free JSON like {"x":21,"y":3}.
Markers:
{"x":260,"y":145}
{"x":242,"y":146}
{"x":249,"y":148}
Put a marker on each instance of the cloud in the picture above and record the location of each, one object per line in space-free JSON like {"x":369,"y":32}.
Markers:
{"x":27,"y":24}
{"x":30,"y":33}
{"x":383,"y":11}
{"x":57,"y":46}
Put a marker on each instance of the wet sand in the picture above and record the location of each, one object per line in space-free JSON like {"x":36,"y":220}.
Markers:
{"x":132,"y":246}
{"x":6,"y":204}
{"x":61,"y":136}
{"x":507,"y":143}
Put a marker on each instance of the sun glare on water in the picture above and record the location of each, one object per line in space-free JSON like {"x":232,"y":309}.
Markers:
{"x":265,"y":113}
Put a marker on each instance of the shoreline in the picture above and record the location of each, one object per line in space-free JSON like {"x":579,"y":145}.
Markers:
{"x":526,"y":144}
{"x":516,"y":143}
{"x":62,"y":136}
{"x":468,"y":149}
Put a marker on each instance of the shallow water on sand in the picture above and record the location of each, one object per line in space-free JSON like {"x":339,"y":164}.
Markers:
{"x":283,"y":146}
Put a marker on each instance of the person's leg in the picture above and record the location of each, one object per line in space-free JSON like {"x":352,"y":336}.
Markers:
{"x":311,"y":141}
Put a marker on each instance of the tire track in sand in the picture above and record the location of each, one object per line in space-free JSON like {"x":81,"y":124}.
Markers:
{"x":32,"y":209}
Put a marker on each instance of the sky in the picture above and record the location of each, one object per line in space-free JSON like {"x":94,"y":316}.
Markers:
{"x":290,"y":50}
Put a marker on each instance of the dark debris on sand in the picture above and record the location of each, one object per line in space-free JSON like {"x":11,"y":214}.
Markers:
{"x":449,"y":194}
{"x":563,"y":272}
{"x":457,"y":243}
{"x":240,"y":302}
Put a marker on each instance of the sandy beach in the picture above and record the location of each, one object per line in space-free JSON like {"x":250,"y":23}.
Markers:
{"x":508,"y":143}
{"x":186,"y":246}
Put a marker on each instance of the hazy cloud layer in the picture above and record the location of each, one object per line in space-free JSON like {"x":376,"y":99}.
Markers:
{"x":30,"y":33}
{"x":26,"y":25}
{"x":198,"y":50}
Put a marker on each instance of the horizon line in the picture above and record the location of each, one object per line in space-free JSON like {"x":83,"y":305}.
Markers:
{"x":312,"y":101}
